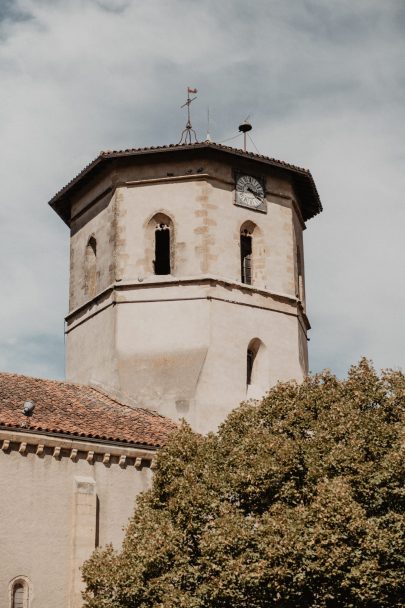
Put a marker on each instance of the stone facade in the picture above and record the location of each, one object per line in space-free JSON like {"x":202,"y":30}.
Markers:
{"x":60,"y":499}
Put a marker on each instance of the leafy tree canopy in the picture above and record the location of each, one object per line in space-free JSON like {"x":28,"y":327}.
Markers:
{"x":297,"y":501}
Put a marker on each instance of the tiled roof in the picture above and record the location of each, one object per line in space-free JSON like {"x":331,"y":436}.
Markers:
{"x":77,"y":410}
{"x":303,"y":176}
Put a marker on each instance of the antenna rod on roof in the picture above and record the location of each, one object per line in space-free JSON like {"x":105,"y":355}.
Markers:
{"x":244,"y":128}
{"x":188,"y":133}
{"x":208,"y":138}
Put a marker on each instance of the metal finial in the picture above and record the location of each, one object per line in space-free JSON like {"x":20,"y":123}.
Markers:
{"x":244,"y":127}
{"x":188,"y":133}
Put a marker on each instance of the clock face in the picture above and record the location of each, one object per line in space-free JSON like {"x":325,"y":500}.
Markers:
{"x":249,"y":191}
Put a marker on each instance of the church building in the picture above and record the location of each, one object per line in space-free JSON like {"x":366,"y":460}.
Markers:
{"x":187,"y":296}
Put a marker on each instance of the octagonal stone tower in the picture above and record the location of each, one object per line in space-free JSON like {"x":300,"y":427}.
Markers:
{"x":187,"y":277}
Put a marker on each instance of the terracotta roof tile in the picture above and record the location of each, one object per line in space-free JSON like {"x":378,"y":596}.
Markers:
{"x":78,"y":410}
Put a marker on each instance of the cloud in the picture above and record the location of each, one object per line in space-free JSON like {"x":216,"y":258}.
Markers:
{"x":324,"y":83}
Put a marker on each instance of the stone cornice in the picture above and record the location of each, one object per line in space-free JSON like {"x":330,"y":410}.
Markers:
{"x":169,"y":280}
{"x":58,"y":447}
{"x":86,"y":310}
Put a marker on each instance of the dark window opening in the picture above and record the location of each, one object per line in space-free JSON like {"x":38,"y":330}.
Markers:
{"x":162,"y":250}
{"x":249,"y":366}
{"x":90,"y":268}
{"x":299,"y":288}
{"x":246,"y":258}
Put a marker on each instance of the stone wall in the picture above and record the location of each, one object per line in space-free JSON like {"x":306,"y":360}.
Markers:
{"x":174,"y":342}
{"x":59,"y":499}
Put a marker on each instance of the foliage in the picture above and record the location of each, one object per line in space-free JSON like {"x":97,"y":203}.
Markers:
{"x":297,"y":501}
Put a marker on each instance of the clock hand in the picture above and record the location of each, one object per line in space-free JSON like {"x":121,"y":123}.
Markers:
{"x":254,"y":193}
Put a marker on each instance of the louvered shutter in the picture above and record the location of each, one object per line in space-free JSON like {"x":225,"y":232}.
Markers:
{"x":246,"y":258}
{"x":18,"y":596}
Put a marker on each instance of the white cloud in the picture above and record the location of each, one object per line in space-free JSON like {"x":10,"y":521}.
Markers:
{"x":325,"y":84}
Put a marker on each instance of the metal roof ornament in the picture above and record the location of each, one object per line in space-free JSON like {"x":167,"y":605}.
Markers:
{"x":244,"y":128}
{"x":188,"y":133}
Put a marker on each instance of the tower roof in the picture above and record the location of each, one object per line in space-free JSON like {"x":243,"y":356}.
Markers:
{"x":309,"y":201}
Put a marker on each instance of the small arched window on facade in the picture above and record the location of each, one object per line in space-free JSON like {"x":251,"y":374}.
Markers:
{"x":252,"y":255}
{"x":246,"y":251}
{"x":249,"y":365}
{"x":160,"y":244}
{"x":162,"y":262}
{"x":19,"y":593}
{"x":18,"y":596}
{"x":300,"y":282}
{"x":256,"y":368}
{"x":90,"y":267}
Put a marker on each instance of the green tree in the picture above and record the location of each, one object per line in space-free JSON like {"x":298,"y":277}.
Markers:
{"x":297,"y":501}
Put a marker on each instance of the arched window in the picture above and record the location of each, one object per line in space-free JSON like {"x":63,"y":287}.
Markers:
{"x":19,"y":592}
{"x":300,"y":282}
{"x":159,"y":247}
{"x":18,"y":596}
{"x":257,"y":373}
{"x":162,"y":263}
{"x":252,"y":255}
{"x":249,"y":365}
{"x":246,"y":256}
{"x":90,"y":268}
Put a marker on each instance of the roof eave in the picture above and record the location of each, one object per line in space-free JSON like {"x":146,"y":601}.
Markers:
{"x":85,"y":438}
{"x":300,"y":175}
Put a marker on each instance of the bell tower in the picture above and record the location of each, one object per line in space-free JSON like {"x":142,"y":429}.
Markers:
{"x":187,"y":292}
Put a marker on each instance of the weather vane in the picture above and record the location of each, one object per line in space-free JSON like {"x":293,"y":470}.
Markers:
{"x":188,"y":133}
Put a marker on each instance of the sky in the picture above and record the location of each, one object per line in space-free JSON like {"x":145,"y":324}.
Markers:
{"x":324,"y":84}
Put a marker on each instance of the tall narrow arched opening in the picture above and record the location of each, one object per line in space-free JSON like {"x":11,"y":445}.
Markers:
{"x":257,"y":372}
{"x":246,"y":257}
{"x":90,"y":268}
{"x":252,"y":255}
{"x":249,"y":365}
{"x":160,"y":244}
{"x":299,"y":281}
{"x":19,"y":591}
{"x":162,"y":263}
{"x":18,"y":596}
